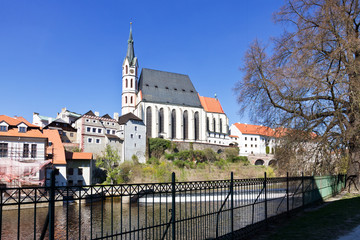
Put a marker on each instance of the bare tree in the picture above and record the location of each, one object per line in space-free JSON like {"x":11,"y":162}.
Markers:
{"x":309,"y":78}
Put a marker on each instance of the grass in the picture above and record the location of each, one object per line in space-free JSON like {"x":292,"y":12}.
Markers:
{"x":328,"y":222}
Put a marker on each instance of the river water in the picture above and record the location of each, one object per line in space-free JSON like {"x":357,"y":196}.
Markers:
{"x":151,"y":215}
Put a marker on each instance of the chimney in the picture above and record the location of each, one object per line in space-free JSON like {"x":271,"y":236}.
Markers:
{"x":116,"y":116}
{"x":97,"y":114}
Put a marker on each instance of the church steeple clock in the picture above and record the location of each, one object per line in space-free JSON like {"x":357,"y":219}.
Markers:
{"x":129,"y":78}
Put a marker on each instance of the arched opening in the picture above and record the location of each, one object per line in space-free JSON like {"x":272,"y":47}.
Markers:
{"x":126,"y":82}
{"x":161,"y":120}
{"x":126,"y":69}
{"x":125,"y":99}
{"x":207,"y":124}
{"x":259,"y":162}
{"x":148,"y":121}
{"x":272,"y":162}
{"x":131,"y":83}
{"x":220,"y":125}
{"x":173,"y":124}
{"x":196,"y":125}
{"x":131,"y":99}
{"x":185,"y":125}
{"x":219,"y":151}
{"x":214,"y":125}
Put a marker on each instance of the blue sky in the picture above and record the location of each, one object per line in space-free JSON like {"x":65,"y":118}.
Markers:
{"x":56,"y":54}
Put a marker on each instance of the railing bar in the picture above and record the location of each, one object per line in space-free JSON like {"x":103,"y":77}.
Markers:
{"x":34,"y":217}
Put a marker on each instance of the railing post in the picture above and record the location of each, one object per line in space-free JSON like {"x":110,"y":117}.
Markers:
{"x":287,"y":193}
{"x":232,"y":204}
{"x":266,"y":214}
{"x":302,"y":189}
{"x":52,"y":206}
{"x":173,"y":204}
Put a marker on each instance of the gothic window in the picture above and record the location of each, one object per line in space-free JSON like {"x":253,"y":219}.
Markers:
{"x":148,"y":121}
{"x":131,"y":99}
{"x":125,"y":99}
{"x":196,"y":125}
{"x":173,"y":124}
{"x":220,"y":125}
{"x":126,"y":69}
{"x":131,"y":83}
{"x":126,"y":82}
{"x":214,"y":125}
{"x":161,"y":120}
{"x":185,"y":125}
{"x":207,"y":124}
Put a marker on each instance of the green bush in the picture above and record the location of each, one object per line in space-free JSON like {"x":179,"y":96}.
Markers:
{"x":157,"y":146}
{"x":153,"y":160}
{"x":201,"y":165}
{"x":179,"y":163}
{"x":184,"y":155}
{"x":221,"y":163}
{"x":163,"y":173}
{"x":199,"y":156}
{"x":170,"y":156}
{"x":210,"y":155}
{"x":244,"y":160}
{"x":232,"y":154}
{"x":135,"y":159}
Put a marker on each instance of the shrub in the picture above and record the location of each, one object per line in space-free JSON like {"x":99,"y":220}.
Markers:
{"x":157,"y":146}
{"x":179,"y":163}
{"x":184,"y":155}
{"x":210,"y":155}
{"x":135,"y":159}
{"x":244,"y":160}
{"x":267,"y":149}
{"x":221,"y":163}
{"x":232,"y":154}
{"x":153,"y":160}
{"x":199,"y":156}
{"x":201,"y":165}
{"x":163,"y":173}
{"x":270,"y":172}
{"x":170,"y":156}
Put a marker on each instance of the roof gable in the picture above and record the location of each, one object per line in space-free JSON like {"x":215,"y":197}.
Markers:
{"x":169,"y":88}
{"x":127,"y":117}
{"x":211,"y":104}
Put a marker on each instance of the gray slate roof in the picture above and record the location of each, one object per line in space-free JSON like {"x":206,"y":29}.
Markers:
{"x":169,"y":88}
{"x":127,"y":117}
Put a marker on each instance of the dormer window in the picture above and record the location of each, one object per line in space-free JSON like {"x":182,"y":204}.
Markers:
{"x":3,"y":128}
{"x":22,"y":129}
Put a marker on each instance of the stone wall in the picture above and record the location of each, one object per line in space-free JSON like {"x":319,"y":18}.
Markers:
{"x":200,"y":146}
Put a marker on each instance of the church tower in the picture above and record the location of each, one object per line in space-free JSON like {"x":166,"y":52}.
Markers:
{"x":129,"y":78}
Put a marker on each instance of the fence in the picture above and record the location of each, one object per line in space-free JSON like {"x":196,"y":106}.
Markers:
{"x":221,"y":209}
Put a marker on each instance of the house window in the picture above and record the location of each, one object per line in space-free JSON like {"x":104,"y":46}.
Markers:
{"x":126,"y":83}
{"x":108,"y":131}
{"x":255,"y":139}
{"x":99,"y":130}
{"x":70,"y":182}
{"x":33,"y":150}
{"x":94,"y":130}
{"x":79,"y":182}
{"x":70,"y":171}
{"x":134,"y":144}
{"x":131,"y":83}
{"x":113,"y":131}
{"x":80,"y":171}
{"x":113,"y":124}
{"x":107,"y":123}
{"x":89,"y":140}
{"x":3,"y":128}
{"x":139,"y":136}
{"x":132,"y":135}
{"x":26,"y":150}
{"x":125,"y":99}
{"x":94,"y":121}
{"x":135,"y":128}
{"x":22,"y":129}
{"x":87,"y":120}
{"x":251,"y":139}
{"x":245,"y":145}
{"x":251,"y":145}
{"x":97,"y":140}
{"x":3,"y":149}
{"x":71,"y":134}
{"x":88,"y":129}
{"x":131,"y":99}
{"x":255,"y":145}
{"x":245,"y":138}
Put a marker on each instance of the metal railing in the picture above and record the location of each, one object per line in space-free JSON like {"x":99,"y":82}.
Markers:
{"x":221,"y":209}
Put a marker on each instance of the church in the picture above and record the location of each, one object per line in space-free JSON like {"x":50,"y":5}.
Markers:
{"x":169,"y":104}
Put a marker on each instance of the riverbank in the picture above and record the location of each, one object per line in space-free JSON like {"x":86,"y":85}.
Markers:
{"x":332,"y":219}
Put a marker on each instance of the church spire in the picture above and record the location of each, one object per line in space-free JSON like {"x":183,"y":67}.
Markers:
{"x":130,"y":51}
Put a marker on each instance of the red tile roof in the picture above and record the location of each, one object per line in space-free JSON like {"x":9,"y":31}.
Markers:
{"x":33,"y":131}
{"x":57,"y":148}
{"x":211,"y":104}
{"x":79,"y":155}
{"x":255,"y":129}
